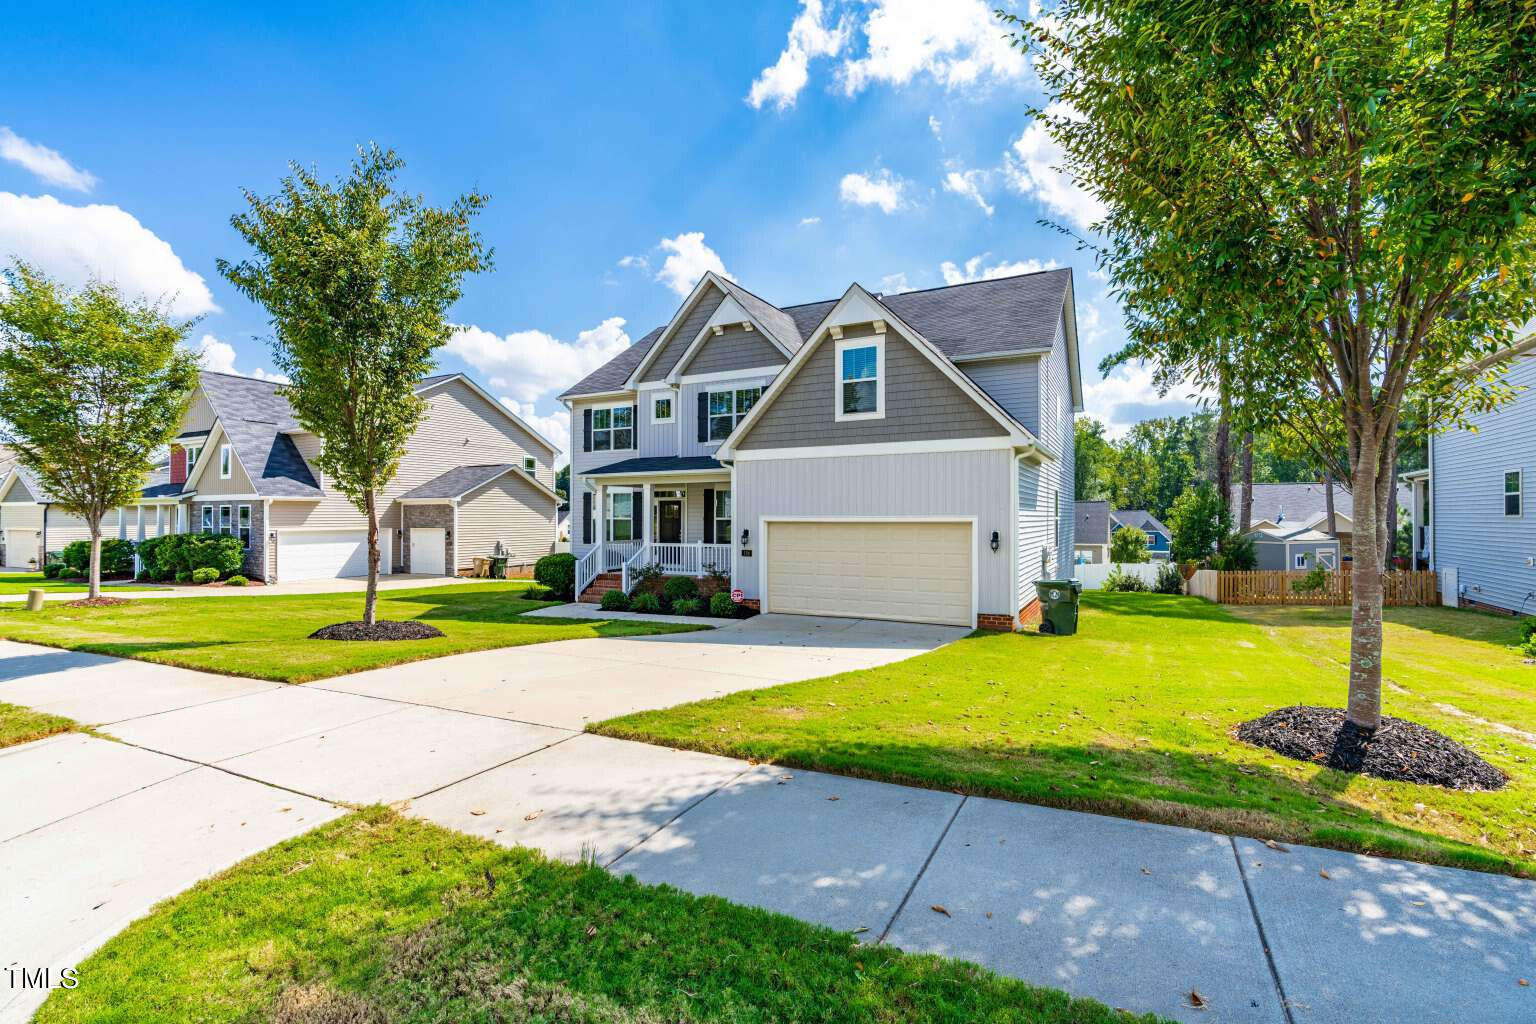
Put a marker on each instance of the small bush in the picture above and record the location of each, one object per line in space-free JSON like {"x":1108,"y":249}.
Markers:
{"x":52,"y":569}
{"x":721,"y":606}
{"x":615,"y":601}
{"x":1120,"y":582}
{"x":1169,"y":580}
{"x":236,"y":581}
{"x":1527,"y":630}
{"x":116,"y":556}
{"x":648,"y":603}
{"x":206,"y":574}
{"x":687,"y":606}
{"x":557,"y":572}
{"x":679,"y":588}
{"x":182,"y":576}
{"x":146,"y":575}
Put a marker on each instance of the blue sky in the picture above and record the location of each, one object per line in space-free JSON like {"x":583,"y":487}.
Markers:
{"x":625,"y":148}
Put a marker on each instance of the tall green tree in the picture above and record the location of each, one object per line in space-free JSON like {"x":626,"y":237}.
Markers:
{"x":1093,"y":458}
{"x":357,"y":279}
{"x":1343,"y":190}
{"x":1199,"y":520}
{"x":93,"y":385}
{"x":1128,"y":544}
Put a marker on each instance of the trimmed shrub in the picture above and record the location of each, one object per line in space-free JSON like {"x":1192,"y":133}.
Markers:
{"x":1169,"y":580}
{"x":146,"y":575}
{"x":557,"y":572}
{"x":116,"y":556}
{"x":206,"y":574}
{"x":615,"y":601}
{"x":182,"y":576}
{"x":687,"y":606}
{"x":679,"y":588}
{"x":1527,"y":629}
{"x":648,"y":603}
{"x":1120,"y":582}
{"x":236,"y":581}
{"x":52,"y":569}
{"x":721,"y":606}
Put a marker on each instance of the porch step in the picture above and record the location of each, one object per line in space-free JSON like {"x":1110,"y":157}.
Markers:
{"x":601,"y":585}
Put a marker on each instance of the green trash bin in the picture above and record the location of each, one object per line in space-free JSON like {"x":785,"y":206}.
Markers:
{"x":1058,"y":606}
{"x":498,"y":567}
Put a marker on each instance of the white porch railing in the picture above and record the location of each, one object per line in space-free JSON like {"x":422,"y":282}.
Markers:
{"x":631,"y":564}
{"x":587,"y":568}
{"x":617,"y":552}
{"x":629,"y":556}
{"x":692,"y":559}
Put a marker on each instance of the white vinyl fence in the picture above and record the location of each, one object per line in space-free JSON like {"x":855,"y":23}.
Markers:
{"x":1094,"y":574}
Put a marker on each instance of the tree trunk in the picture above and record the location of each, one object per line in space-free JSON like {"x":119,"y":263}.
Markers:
{"x":371,"y":599}
{"x":1365,"y":645}
{"x":1391,"y":545}
{"x":1223,"y":456}
{"x":1332,"y":520}
{"x":95,"y":573}
{"x":1245,"y":511}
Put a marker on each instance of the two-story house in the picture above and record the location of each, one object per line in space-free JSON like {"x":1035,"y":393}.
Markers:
{"x":903,"y":457}
{"x":475,"y":481}
{"x":1470,"y":512}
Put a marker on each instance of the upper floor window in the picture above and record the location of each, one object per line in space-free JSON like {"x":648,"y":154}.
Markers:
{"x":1514,"y":493}
{"x":226,"y":462}
{"x":860,"y":378}
{"x":613,"y":428}
{"x":530,"y":465}
{"x":193,"y":451}
{"x":661,"y":409}
{"x":726,"y":408}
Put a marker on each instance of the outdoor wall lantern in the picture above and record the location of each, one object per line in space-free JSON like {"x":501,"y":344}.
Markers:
{"x":994,"y":540}
{"x":745,"y":536}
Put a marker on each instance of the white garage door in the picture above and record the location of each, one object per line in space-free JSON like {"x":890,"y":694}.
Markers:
{"x":912,"y":572}
{"x":326,"y":554}
{"x":428,"y":550}
{"x":20,"y":546}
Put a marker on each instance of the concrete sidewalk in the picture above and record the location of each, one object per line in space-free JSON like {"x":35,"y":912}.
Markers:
{"x":341,"y":585}
{"x":1140,"y":916}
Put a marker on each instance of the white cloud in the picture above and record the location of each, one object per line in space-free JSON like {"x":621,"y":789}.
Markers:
{"x":882,"y":189}
{"x":806,"y":222}
{"x":809,"y":36}
{"x":976,"y":270}
{"x":687,"y":260}
{"x":77,"y":243}
{"x":635,"y":263}
{"x":219,"y":357}
{"x":48,"y":164}
{"x":555,"y":427}
{"x":1031,"y":169}
{"x":957,"y":43}
{"x":1129,"y":395}
{"x":529,"y":364}
{"x":894,"y":284}
{"x":937,"y":127}
{"x":968,"y":184}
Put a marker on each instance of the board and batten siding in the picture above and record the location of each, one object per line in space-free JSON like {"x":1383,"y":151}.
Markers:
{"x":655,"y":439}
{"x":199,"y":416}
{"x":1490,"y":551}
{"x":961,"y":484}
{"x":210,"y":485}
{"x":677,"y":343}
{"x":733,"y":349}
{"x":921,"y":404}
{"x":508,"y":510}
{"x":582,"y":461}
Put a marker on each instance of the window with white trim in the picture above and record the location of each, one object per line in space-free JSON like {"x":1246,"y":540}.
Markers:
{"x":207,"y":519}
{"x":621,"y":515}
{"x":613,"y":428}
{"x":530,"y":465}
{"x":226,"y":462}
{"x":661,"y":409}
{"x":726,"y":409}
{"x":1514,"y":493}
{"x":243,"y":525}
{"x":860,"y":378}
{"x":1301,"y":560}
{"x":722,"y":514}
{"x":194,"y":451}
{"x":224,"y":511}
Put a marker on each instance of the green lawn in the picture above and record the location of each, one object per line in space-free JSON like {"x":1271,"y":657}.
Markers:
{"x":23,"y":725}
{"x":377,"y":918}
{"x":266,"y":636}
{"x":21,"y":582}
{"x":1132,"y":717}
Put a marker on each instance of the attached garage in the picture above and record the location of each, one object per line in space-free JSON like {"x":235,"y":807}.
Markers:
{"x":909,"y":570}
{"x":327,"y":554}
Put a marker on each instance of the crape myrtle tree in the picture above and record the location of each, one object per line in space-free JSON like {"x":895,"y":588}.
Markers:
{"x":357,"y":279}
{"x":93,"y":385}
{"x":1332,"y":201}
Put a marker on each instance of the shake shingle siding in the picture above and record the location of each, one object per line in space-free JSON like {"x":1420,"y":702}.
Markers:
{"x":734,"y":349}
{"x":686,"y":332}
{"x":1472,"y":534}
{"x":921,"y":404}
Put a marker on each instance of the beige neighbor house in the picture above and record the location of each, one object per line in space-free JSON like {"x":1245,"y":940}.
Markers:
{"x":475,"y":481}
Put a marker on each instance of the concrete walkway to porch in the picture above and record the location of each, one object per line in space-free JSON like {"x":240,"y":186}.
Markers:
{"x":211,"y":769}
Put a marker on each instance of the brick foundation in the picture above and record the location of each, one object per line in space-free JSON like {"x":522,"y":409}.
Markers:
{"x":752,"y":603}
{"x":999,"y":623}
{"x":1030,"y":613}
{"x":1478,"y":606}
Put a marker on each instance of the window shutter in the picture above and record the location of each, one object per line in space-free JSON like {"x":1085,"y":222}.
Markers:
{"x":703,"y":416}
{"x":636,"y":517}
{"x":586,"y":430}
{"x":634,"y":427}
{"x":586,"y":514}
{"x":709,"y":515}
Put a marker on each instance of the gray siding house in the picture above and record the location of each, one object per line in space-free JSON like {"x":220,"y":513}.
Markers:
{"x":904,"y":457}
{"x":1470,"y":511}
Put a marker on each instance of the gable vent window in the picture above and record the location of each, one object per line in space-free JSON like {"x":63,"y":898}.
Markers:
{"x":861,"y":378}
{"x":1514,"y":493}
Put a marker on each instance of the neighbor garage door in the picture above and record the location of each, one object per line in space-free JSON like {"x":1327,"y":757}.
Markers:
{"x":326,"y":554}
{"x":909,"y":571}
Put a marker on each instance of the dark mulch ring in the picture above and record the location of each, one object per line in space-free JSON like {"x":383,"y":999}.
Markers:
{"x":1398,"y":751}
{"x":384,"y":629}
{"x":96,"y":602}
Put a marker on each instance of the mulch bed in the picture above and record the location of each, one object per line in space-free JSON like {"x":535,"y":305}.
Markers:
{"x":1398,"y":751}
{"x":384,"y":629}
{"x":96,"y":602}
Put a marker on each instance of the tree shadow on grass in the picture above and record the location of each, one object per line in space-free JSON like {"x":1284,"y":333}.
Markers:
{"x":1458,"y":623}
{"x":1157,"y":606}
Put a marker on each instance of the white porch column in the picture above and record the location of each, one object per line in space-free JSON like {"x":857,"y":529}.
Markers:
{"x":646,"y":526}
{"x":602,"y":526}
{"x":139,"y":521}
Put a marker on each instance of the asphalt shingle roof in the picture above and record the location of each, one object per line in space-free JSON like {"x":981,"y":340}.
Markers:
{"x":656,"y":464}
{"x":254,"y":416}
{"x":1001,"y":315}
{"x":1141,"y":519}
{"x":1302,"y":503}
{"x":1091,"y":525}
{"x":458,"y":481}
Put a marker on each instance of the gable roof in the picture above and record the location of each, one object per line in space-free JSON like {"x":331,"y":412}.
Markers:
{"x":1141,"y":519}
{"x":461,"y":480}
{"x":964,"y":321}
{"x":1091,"y":523}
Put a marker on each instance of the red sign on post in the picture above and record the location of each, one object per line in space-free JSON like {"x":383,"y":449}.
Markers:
{"x":736,"y":595}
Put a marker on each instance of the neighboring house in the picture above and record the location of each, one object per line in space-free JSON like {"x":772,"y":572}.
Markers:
{"x":1159,"y":537}
{"x":902,"y":457}
{"x":1305,"y":505}
{"x":1294,"y":547}
{"x":1470,"y":513}
{"x":1090,"y":533}
{"x":475,"y":480}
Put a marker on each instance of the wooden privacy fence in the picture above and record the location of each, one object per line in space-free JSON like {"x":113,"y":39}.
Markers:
{"x":1274,"y":587}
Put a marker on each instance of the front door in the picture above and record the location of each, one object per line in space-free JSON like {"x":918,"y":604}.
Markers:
{"x":669,"y":521}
